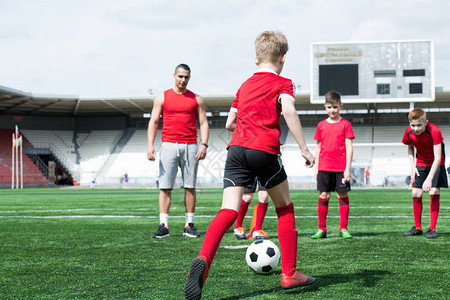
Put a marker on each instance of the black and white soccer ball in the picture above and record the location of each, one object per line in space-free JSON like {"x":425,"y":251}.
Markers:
{"x":263,"y":257}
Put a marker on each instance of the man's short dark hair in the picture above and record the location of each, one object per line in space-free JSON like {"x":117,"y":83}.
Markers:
{"x":184,"y":67}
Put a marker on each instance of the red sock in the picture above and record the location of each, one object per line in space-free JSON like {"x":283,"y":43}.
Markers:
{"x":434,"y":210}
{"x":344,"y":209}
{"x":216,"y":229}
{"x":287,"y":236}
{"x":322,"y":212}
{"x":242,"y":212}
{"x":417,"y":210}
{"x":260,"y":215}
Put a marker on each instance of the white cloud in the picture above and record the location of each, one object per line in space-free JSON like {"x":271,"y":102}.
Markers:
{"x":375,"y":29}
{"x":124,"y":47}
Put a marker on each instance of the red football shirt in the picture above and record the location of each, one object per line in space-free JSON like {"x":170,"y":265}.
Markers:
{"x":179,"y":117}
{"x":258,"y":111}
{"x":332,"y":155}
{"x":424,"y":144}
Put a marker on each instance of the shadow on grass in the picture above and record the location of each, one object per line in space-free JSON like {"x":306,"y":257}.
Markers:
{"x":369,"y":278}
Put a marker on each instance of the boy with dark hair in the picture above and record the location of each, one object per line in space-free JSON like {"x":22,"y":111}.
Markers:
{"x":254,"y":150}
{"x":334,"y":152}
{"x":427,"y":169}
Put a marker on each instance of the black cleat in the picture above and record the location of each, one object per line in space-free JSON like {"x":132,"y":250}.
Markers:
{"x":431,"y":233}
{"x":162,"y":232}
{"x":196,"y":278}
{"x":190,"y":231}
{"x":413,"y":231}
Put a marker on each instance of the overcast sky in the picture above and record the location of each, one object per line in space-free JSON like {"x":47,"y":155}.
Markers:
{"x":123,"y":48}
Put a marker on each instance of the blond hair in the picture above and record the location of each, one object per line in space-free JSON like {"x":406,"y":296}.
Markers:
{"x":270,"y":46}
{"x":417,"y":114}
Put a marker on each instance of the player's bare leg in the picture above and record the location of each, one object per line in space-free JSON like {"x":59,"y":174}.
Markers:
{"x":165,"y":199}
{"x":190,"y":200}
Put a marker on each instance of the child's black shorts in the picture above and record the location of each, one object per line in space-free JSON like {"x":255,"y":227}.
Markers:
{"x":243,"y":165}
{"x":331,"y":182}
{"x":251,"y":188}
{"x":439,"y":179}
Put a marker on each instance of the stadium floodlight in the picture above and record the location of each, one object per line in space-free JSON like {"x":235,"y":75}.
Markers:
{"x":373,"y":72}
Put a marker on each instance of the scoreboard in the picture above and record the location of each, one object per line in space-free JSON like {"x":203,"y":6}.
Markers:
{"x":373,"y":72}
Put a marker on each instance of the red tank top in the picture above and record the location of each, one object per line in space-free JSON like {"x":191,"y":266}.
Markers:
{"x":179,"y":117}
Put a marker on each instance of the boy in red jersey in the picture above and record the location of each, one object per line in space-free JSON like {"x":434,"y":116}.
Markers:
{"x":427,"y":170}
{"x":334,"y":152}
{"x":263,"y":196}
{"x":254,"y":150}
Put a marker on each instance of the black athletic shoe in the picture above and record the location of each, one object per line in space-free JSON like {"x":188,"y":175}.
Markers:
{"x":162,"y":232}
{"x":196,"y":278}
{"x":190,"y":231}
{"x":431,"y":233}
{"x":413,"y":231}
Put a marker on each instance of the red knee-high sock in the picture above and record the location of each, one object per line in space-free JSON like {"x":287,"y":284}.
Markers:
{"x":260,"y":215}
{"x":417,"y":210}
{"x":216,"y":229}
{"x":243,"y":208}
{"x":434,"y":210}
{"x":322,"y":212}
{"x":344,"y":209}
{"x":287,"y":236}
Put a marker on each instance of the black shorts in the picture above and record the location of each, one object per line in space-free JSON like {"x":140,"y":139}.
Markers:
{"x":331,"y":182}
{"x":243,"y":165}
{"x":439,"y":179}
{"x":251,"y":188}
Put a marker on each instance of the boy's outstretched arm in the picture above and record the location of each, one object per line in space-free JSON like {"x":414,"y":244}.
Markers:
{"x":412,"y":162}
{"x":319,"y":144}
{"x":349,"y":157}
{"x":294,"y":125}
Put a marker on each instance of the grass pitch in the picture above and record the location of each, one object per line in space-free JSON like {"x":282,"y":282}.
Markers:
{"x":96,"y":244}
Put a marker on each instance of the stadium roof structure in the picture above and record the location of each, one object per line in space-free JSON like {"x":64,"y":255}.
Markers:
{"x":17,"y":102}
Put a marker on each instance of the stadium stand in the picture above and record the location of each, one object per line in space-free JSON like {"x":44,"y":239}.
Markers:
{"x":59,"y":142}
{"x":32,"y":176}
{"x":108,"y":154}
{"x":132,"y":159}
{"x":107,"y":137}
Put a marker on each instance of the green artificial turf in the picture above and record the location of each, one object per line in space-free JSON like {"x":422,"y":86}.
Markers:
{"x":96,"y":244}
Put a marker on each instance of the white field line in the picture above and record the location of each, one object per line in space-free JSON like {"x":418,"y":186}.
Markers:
{"x":174,"y":208}
{"x":235,"y":247}
{"x":72,"y":210}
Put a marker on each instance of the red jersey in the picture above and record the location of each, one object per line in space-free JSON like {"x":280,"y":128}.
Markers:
{"x":258,"y":111}
{"x":424,"y":144}
{"x":179,"y":117}
{"x":333,"y":155}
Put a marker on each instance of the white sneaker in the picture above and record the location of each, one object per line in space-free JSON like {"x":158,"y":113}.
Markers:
{"x":239,"y":233}
{"x":260,"y":234}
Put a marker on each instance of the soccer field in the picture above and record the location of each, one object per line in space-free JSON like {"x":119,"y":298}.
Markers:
{"x":96,"y":244}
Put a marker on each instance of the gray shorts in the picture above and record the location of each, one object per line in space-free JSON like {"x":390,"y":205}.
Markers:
{"x":174,"y":155}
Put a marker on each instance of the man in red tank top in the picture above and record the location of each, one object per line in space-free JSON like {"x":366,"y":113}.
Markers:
{"x":180,"y":109}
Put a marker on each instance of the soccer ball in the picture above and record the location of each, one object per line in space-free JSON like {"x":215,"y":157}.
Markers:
{"x":263,"y":257}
